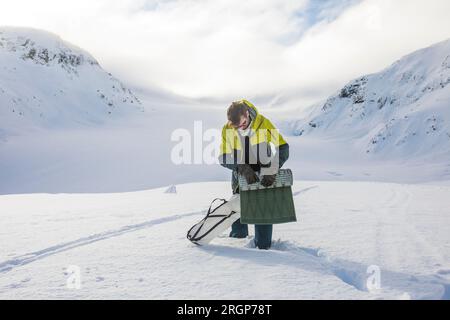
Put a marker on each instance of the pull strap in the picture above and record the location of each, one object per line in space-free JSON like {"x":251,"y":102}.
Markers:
{"x":209,"y":210}
{"x":202,"y":222}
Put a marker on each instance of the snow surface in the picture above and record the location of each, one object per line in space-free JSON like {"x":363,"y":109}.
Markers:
{"x":388,"y":207}
{"x":133,"y":245}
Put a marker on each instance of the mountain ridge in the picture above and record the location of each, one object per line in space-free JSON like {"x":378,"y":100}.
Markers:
{"x":48,"y":82}
{"x":386,"y":112}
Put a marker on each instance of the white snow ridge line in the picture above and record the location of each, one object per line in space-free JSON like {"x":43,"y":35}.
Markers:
{"x":38,"y":255}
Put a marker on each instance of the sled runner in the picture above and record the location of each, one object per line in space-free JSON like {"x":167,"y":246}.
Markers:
{"x":217,"y":220}
{"x":268,"y":205}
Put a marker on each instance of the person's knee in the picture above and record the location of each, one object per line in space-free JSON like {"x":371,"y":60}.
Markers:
{"x":263,"y":236}
{"x":263,"y":246}
{"x":239,"y":230}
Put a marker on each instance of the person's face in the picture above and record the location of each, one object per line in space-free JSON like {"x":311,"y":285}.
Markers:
{"x":245,"y":121}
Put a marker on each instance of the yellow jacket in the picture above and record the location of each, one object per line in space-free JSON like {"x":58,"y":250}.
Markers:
{"x":261,"y":130}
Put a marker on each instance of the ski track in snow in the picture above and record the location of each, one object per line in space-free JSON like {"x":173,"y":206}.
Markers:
{"x":310,"y":259}
{"x":392,"y":220}
{"x":350,"y":275}
{"x":297,"y":193}
{"x":396,"y":243}
{"x":38,"y":255}
{"x":390,"y":215}
{"x":354,"y":274}
{"x":50,"y":251}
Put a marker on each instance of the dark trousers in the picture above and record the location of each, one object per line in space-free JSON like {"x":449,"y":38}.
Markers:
{"x":263,"y":233}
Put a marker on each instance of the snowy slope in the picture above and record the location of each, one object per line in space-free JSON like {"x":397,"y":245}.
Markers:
{"x":70,"y":152}
{"x":133,"y":245}
{"x":401,"y":112}
{"x":47,"y":82}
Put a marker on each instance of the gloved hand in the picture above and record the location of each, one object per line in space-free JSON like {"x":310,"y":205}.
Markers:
{"x":248,"y":173}
{"x":267,"y":181}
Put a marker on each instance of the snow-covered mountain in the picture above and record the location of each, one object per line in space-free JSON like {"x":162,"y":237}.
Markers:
{"x":45,"y":81}
{"x":402,"y":111}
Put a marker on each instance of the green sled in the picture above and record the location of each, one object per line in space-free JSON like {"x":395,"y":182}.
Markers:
{"x":268,"y":205}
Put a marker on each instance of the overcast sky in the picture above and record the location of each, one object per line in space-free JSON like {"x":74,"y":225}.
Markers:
{"x":229,"y":49}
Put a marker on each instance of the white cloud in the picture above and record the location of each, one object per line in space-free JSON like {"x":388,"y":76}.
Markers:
{"x":367,"y":38}
{"x":231,"y":48}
